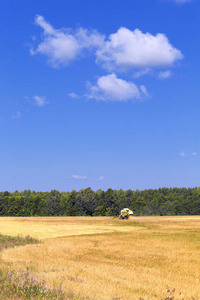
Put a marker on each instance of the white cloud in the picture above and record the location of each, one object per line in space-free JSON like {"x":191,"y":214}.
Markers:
{"x":40,"y":101}
{"x":73,"y":95}
{"x":110,"y":87}
{"x":181,"y":1}
{"x":122,"y":51}
{"x":181,"y":153}
{"x":144,"y":90}
{"x":142,"y":72}
{"x":194,"y":154}
{"x":164,"y":74}
{"x":100,"y":178}
{"x":62,"y":46}
{"x":79,"y":177}
{"x":18,"y":115}
{"x":128,"y":49}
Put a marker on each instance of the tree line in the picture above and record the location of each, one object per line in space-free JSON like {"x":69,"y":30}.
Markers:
{"x":86,"y":202}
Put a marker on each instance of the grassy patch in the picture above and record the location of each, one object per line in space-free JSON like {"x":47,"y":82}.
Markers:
{"x":25,"y":285}
{"x":12,"y":241}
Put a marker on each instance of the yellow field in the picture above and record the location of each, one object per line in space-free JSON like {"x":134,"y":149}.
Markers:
{"x":103,"y":258}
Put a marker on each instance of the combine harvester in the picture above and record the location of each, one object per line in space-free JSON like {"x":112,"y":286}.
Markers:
{"x":125,"y":213}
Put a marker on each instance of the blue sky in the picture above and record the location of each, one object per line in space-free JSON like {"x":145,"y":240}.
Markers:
{"x":99,"y":93}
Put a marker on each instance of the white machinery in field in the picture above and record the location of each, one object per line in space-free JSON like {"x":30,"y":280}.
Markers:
{"x":125,"y":213}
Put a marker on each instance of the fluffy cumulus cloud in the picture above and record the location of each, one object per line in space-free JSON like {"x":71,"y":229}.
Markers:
{"x":128,"y":49}
{"x":110,"y":87}
{"x":123,"y":50}
{"x":64,"y":45}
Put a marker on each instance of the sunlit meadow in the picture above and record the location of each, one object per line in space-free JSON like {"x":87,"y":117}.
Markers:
{"x":106,"y":258}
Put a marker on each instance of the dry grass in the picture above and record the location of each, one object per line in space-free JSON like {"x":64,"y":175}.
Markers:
{"x":24,"y":285}
{"x":110,"y":258}
{"x":52,"y":227}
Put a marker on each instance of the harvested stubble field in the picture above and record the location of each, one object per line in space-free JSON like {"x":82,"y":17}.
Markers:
{"x":103,"y":258}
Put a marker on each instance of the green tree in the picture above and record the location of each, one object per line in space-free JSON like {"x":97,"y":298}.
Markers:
{"x":52,"y":205}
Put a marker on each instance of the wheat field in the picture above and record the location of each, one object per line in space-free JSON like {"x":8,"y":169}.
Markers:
{"x":106,"y":258}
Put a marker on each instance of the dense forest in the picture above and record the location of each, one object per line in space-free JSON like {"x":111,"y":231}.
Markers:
{"x":86,"y":202}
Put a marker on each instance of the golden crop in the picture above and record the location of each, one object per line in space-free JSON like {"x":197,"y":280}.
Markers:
{"x":103,"y":258}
